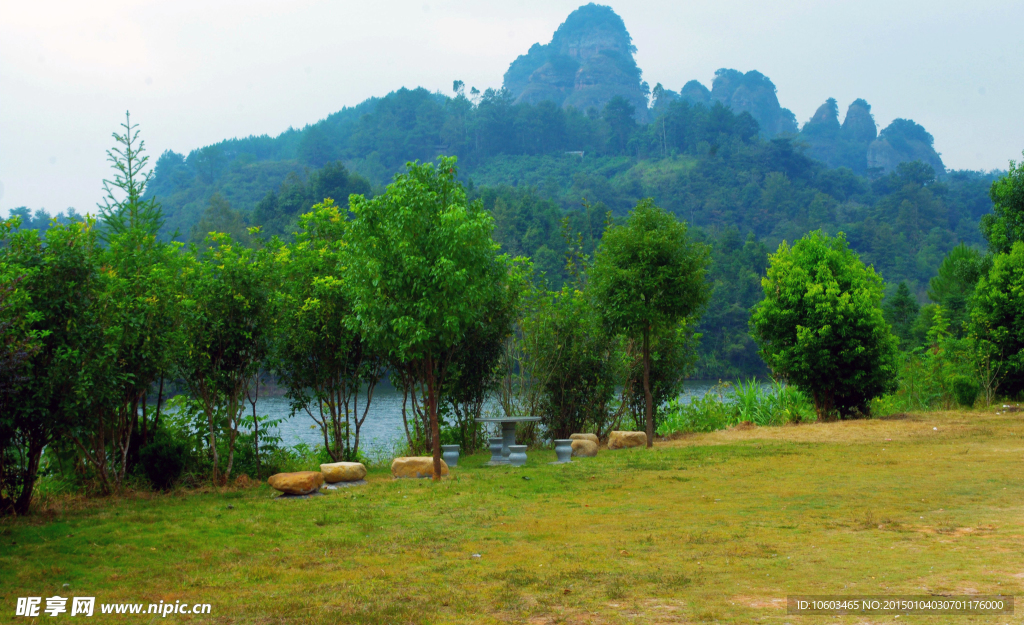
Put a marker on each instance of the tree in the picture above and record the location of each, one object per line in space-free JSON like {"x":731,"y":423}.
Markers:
{"x":1004,"y":226}
{"x":620,"y":117}
{"x":131,"y":178}
{"x":672,"y":357}
{"x":648,"y":276}
{"x":820,"y":326}
{"x":997,"y":316}
{"x":136,"y":312}
{"x":901,"y":312}
{"x":225,"y":321}
{"x":954,"y":284}
{"x":320,"y":355}
{"x":55,"y":309}
{"x":425,"y":272}
{"x":220,"y":217}
{"x":569,"y":362}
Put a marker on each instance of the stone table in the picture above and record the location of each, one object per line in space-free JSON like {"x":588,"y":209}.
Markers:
{"x":508,"y":430}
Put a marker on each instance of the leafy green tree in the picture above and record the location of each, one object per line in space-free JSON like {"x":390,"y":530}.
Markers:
{"x":1005,"y":225}
{"x":220,"y":217}
{"x":136,"y":311}
{"x":320,"y":355}
{"x":820,"y":326}
{"x":954,"y":284}
{"x":672,"y":356}
{"x":648,"y":276}
{"x":620,"y":117}
{"x":997,"y":316}
{"x":425,"y":271}
{"x":55,"y":309}
{"x":473,"y":374}
{"x":225,"y":321}
{"x":571,"y":363}
{"x":901,"y":312}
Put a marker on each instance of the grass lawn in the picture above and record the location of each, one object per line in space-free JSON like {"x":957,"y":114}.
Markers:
{"x":709,"y":528}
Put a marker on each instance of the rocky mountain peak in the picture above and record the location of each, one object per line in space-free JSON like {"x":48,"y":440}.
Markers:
{"x":901,"y":141}
{"x":859,"y":124}
{"x":751,"y":92}
{"x":588,"y":62}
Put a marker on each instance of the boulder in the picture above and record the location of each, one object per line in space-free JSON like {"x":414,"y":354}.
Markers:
{"x":583,"y":448}
{"x":585,"y":437}
{"x":299,"y":483}
{"x":343,"y":472}
{"x":621,"y":440}
{"x":416,"y":466}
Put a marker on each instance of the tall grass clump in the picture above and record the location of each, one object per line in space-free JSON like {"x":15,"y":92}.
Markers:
{"x":727,"y":405}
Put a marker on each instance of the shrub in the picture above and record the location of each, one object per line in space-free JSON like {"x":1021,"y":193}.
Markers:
{"x":965,"y":390}
{"x":163,"y":459}
{"x":820,"y":325}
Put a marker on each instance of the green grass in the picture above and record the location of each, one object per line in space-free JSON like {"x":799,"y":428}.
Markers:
{"x":715,"y":527}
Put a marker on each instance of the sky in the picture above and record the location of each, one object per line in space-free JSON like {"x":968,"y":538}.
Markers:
{"x":195,"y":72}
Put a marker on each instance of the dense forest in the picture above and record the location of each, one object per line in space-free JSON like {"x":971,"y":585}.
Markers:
{"x":555,"y":161}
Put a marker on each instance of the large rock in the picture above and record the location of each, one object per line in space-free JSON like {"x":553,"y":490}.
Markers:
{"x":343,"y":472}
{"x":621,"y":440}
{"x":585,"y":437}
{"x":416,"y":466}
{"x":299,"y":483}
{"x":582,"y":448}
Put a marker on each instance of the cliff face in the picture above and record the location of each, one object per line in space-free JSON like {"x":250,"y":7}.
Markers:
{"x":857,"y":145}
{"x":588,"y":62}
{"x":902,"y":141}
{"x":752,"y":92}
{"x":859,"y":124}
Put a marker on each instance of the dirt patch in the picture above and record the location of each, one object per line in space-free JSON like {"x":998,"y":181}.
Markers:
{"x":760,"y":602}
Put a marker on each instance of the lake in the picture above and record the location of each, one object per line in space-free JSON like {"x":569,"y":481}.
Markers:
{"x":383,"y":426}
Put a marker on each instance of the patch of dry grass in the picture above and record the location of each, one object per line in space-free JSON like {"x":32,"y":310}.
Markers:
{"x":715,"y":527}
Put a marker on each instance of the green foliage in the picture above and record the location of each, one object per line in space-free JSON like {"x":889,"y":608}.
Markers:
{"x":672,"y":357}
{"x":997,"y":316}
{"x":163,"y":459}
{"x":701,"y":414}
{"x":727,"y":405}
{"x":901,"y":311}
{"x":55,"y":306}
{"x":133,"y":211}
{"x":225,"y":321}
{"x":425,"y":273}
{"x":1005,"y":225}
{"x":965,"y":390}
{"x":821,"y":328}
{"x":278,"y":212}
{"x":954,"y":285}
{"x":320,"y":355}
{"x":572,"y":360}
{"x":220,"y":217}
{"x":648,"y":277}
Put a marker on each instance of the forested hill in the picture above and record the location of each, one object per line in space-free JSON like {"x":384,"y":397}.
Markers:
{"x":573,"y":134}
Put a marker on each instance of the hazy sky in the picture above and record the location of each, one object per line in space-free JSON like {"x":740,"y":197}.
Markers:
{"x":193,"y":73}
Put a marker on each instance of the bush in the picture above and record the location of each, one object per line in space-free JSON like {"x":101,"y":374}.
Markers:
{"x":820,"y":326}
{"x":965,"y":390}
{"x":163,"y":459}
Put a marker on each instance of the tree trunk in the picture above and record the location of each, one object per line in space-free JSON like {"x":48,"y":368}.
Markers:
{"x":435,"y":430}
{"x":28,"y":478}
{"x":213,"y":438}
{"x":159,"y":401}
{"x":145,"y":421}
{"x":648,"y":398}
